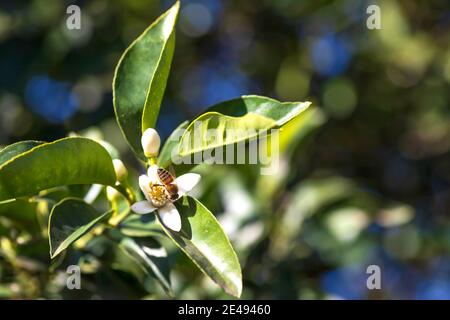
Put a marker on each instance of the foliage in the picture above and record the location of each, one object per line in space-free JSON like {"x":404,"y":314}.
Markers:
{"x":363,"y":177}
{"x":30,"y":167}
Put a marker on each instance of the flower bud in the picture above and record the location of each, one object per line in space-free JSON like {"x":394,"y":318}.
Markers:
{"x":119,"y":168}
{"x":150,"y":142}
{"x":112,"y":193}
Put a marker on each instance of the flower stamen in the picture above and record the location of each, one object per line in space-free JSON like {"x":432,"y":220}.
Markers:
{"x":157,"y":194}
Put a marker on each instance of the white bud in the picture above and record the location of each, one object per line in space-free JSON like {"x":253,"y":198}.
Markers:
{"x":150,"y":142}
{"x":119,"y":168}
{"x":112,"y":193}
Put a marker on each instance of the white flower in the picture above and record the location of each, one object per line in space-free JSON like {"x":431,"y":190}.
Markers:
{"x":157,"y":197}
{"x":150,"y":142}
{"x":119,"y":168}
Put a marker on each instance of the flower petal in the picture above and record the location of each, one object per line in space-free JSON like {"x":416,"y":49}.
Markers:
{"x":187,"y":182}
{"x":143,"y":207}
{"x":170,"y":216}
{"x":144,"y":184}
{"x":152,"y":173}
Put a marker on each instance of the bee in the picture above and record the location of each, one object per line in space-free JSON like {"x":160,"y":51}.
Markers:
{"x":168,"y":182}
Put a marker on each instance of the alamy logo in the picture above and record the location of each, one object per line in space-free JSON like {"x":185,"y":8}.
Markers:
{"x":374,"y":280}
{"x":73,"y":281}
{"x":374,"y":19}
{"x":74,"y":19}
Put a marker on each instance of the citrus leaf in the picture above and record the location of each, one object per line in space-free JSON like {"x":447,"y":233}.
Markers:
{"x":280,"y":112}
{"x":70,"y":219}
{"x":212,"y":131}
{"x":244,"y":116}
{"x":153,"y":256}
{"x":291,"y":138}
{"x":171,"y":145}
{"x":21,"y":213}
{"x":67,"y":161}
{"x":233,"y":121}
{"x":140,"y":226}
{"x":141,"y":77}
{"x":202,"y":239}
{"x":17,"y":148}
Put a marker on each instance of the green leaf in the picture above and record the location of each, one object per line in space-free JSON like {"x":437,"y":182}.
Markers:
{"x":70,"y":219}
{"x":67,"y":161}
{"x":295,"y":131}
{"x":15,"y":149}
{"x":219,"y":124}
{"x":280,"y":112}
{"x":153,"y":256}
{"x":252,"y":113}
{"x":141,"y":226}
{"x":205,"y":243}
{"x":291,"y":138}
{"x":21,"y":213}
{"x":171,"y":145}
{"x":113,"y":152}
{"x":248,"y":113}
{"x":141,"y":77}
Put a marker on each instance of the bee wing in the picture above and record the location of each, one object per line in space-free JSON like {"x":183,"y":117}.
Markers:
{"x":171,"y":171}
{"x":187,"y":182}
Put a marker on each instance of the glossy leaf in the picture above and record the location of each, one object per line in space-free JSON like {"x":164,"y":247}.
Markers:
{"x":170,"y":148}
{"x":295,"y":131}
{"x":252,"y":113}
{"x":124,"y":262}
{"x":196,"y":140}
{"x":67,"y":161}
{"x":153,"y":257}
{"x":70,"y":219}
{"x":246,"y":113}
{"x":205,"y":243}
{"x":141,"y":77}
{"x":140,"y":226}
{"x":291,"y":137}
{"x":17,"y":148}
{"x":113,"y":152}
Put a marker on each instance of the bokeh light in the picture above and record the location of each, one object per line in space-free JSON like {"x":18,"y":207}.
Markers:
{"x":50,"y":99}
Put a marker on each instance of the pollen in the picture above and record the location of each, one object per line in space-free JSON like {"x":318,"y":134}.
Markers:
{"x":158,"y":195}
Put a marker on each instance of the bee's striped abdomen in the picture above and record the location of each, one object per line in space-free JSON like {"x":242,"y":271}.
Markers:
{"x":165,"y":176}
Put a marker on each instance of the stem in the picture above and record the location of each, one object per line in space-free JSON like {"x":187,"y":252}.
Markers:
{"x":126,"y":191}
{"x":152,"y":161}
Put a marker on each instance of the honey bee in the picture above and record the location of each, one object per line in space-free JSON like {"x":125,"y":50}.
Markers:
{"x":168,"y":182}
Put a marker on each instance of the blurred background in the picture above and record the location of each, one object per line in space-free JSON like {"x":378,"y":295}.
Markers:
{"x":365,"y":178}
